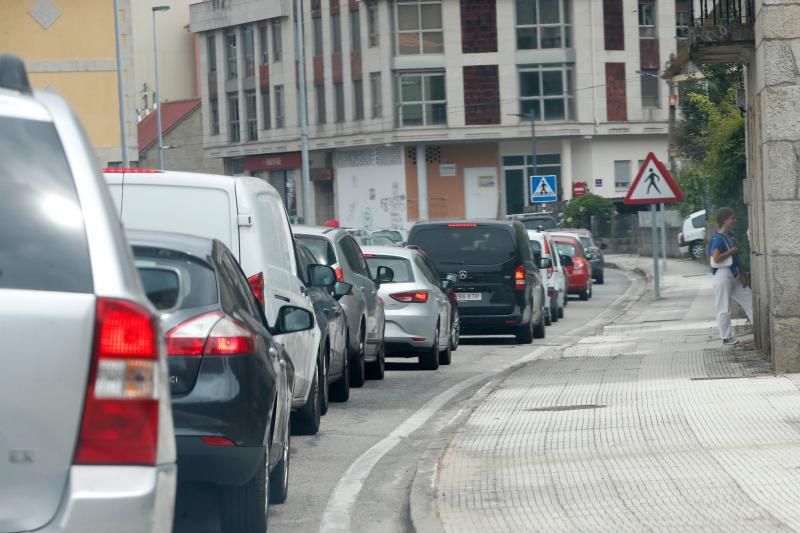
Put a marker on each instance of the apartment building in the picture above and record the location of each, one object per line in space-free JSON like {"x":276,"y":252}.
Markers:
{"x":419,"y":108}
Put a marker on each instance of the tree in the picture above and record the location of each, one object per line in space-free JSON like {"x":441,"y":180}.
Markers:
{"x":579,"y":210}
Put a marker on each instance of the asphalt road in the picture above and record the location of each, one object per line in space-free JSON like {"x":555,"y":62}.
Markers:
{"x":384,"y":429}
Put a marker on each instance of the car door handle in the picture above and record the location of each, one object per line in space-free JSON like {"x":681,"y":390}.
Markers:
{"x":282,"y":298}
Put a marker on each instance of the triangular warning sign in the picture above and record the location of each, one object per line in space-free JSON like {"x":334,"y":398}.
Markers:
{"x":544,"y":188}
{"x":653,"y":184}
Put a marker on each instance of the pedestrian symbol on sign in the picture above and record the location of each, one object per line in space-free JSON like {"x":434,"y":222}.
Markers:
{"x":543,"y":189}
{"x":651,"y":179}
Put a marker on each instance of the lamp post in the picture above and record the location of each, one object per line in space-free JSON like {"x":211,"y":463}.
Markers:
{"x":123,"y":117}
{"x":532,"y":118}
{"x":156,"y":9}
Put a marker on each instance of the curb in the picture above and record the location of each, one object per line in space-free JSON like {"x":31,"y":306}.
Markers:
{"x":424,"y":491}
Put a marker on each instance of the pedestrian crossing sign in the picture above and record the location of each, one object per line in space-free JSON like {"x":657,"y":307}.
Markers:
{"x":653,"y":184}
{"x":543,"y":189}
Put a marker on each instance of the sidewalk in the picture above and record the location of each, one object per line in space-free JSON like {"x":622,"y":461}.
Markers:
{"x":652,"y":425}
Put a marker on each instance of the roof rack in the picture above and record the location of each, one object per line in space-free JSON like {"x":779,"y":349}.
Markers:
{"x":13,"y":74}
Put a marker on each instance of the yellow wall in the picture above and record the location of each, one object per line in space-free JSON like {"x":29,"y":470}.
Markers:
{"x":83,"y":32}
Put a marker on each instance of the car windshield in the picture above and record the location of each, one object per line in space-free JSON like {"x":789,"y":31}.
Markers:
{"x":319,"y":247}
{"x":466,"y":245}
{"x":566,"y":249}
{"x":401,"y":267}
{"x":586,"y":242}
{"x":536,"y":223}
{"x":198,"y":281}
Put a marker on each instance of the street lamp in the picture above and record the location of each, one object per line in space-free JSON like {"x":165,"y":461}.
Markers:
{"x":532,"y":117}
{"x":158,"y":92}
{"x":123,"y":117}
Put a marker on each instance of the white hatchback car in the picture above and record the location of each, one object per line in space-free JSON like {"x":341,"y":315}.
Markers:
{"x":552,"y":274}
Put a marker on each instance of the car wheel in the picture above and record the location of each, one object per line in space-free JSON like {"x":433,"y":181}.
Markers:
{"x":591,"y":289}
{"x":377,"y":370}
{"x":566,"y":296}
{"x":340,"y":390}
{"x":697,"y":250}
{"x":305,"y":421}
{"x":561,"y":308}
{"x":446,"y":355}
{"x":554,"y":310}
{"x":547,"y":319}
{"x":601,"y":278}
{"x":429,"y":359}
{"x":245,"y":508}
{"x":525,"y":333}
{"x":324,"y":387}
{"x":357,"y":368}
{"x":455,"y":335}
{"x":539,"y":329}
{"x":279,"y":477}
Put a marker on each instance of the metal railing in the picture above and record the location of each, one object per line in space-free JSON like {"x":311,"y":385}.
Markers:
{"x":722,"y":13}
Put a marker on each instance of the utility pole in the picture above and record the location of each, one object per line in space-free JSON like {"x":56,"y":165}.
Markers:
{"x":308,"y":216}
{"x":532,"y":117}
{"x":156,"y":9}
{"x":123,"y":115}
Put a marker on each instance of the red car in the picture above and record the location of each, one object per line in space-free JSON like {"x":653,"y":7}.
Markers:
{"x":579,"y":270}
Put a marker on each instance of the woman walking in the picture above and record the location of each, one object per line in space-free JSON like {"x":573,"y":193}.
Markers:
{"x":728,"y":276}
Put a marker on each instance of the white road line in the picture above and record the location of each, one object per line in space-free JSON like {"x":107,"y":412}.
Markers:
{"x":343,"y":499}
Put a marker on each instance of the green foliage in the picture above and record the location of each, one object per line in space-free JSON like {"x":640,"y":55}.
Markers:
{"x":692,"y":182}
{"x":579,"y":210}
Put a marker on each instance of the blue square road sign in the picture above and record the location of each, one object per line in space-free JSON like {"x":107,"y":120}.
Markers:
{"x":543,"y":189}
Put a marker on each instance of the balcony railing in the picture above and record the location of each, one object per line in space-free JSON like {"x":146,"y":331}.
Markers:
{"x":722,"y":31}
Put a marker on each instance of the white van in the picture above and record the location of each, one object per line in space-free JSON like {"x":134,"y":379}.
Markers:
{"x":692,"y":238}
{"x":246,"y":214}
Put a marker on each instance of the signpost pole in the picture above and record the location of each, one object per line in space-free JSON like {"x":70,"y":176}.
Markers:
{"x":664,"y":236}
{"x":654,"y":239}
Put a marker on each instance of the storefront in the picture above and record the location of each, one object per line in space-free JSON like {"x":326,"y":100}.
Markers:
{"x":282,"y":171}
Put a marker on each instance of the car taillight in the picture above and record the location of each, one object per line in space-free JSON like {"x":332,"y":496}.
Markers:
{"x":339,"y":274}
{"x":680,"y":238}
{"x":416,"y":297}
{"x":549,"y":272}
{"x":256,"y":282}
{"x":210,"y":334}
{"x":120,"y":413}
{"x":578,"y":263}
{"x":519,"y":278}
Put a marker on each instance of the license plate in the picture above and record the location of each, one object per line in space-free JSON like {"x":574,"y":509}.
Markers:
{"x":468,"y":296}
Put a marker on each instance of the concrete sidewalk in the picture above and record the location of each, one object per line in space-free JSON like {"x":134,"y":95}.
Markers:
{"x":651,"y":425}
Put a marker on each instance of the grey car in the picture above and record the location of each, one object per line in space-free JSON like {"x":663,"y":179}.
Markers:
{"x":87,"y":444}
{"x":363,"y":308}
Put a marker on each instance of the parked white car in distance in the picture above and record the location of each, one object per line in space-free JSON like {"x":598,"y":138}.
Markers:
{"x":551,"y":272}
{"x":692,"y":238}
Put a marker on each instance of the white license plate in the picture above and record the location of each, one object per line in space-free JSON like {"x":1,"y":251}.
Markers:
{"x":468,"y":296}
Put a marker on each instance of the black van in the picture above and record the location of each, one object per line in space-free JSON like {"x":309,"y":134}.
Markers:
{"x":498,"y":289}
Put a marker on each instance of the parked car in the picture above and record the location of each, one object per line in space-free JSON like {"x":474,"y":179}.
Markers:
{"x":579,"y":270}
{"x":498,"y":288}
{"x":87,"y":441}
{"x":363,"y":308}
{"x":375,"y":240}
{"x":692,"y":238}
{"x":231,"y":382}
{"x":535,"y":221}
{"x":247,"y":215}
{"x":418,"y":315}
{"x":593,"y":251}
{"x":551,"y":273}
{"x":397,"y":236}
{"x":333,"y":329}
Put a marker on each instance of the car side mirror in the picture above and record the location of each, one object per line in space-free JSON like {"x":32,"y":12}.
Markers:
{"x":385,"y":275}
{"x":321,"y":276}
{"x":341,"y":289}
{"x":566,"y":261}
{"x":293,"y":319}
{"x":447,"y":284}
{"x":545,"y":262}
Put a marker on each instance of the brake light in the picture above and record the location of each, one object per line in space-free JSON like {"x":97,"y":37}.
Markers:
{"x":680,"y":238}
{"x":210,"y":334}
{"x":546,"y":246}
{"x":578,"y":263}
{"x":131,"y":171}
{"x":549,"y":272}
{"x":368,"y":255}
{"x":217,"y":441}
{"x":256,"y":282}
{"x":519,"y":278}
{"x":416,"y":297}
{"x":339,"y":274}
{"x":462,"y":225}
{"x":120,"y":414}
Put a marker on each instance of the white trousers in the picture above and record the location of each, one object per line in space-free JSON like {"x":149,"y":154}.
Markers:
{"x":726,"y":287}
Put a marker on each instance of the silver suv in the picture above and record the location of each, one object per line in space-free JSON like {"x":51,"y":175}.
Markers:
{"x":86,"y":436}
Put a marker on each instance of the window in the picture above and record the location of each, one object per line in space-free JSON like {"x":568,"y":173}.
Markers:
{"x":355,"y":30}
{"x":262,"y":41}
{"x":372,"y":23}
{"x":211,"y":53}
{"x":338,"y":92}
{"x":682,"y":24}
{"x":647,"y":19}
{"x":336,"y":33}
{"x":542,"y":24}
{"x":622,"y":174}
{"x":422,"y":99}
{"x":266,"y":107}
{"x":403,"y":273}
{"x":484,"y":245}
{"x":213,"y":105}
{"x":317,"y":22}
{"x":252,"y":117}
{"x":358,"y":99}
{"x":280,"y":118}
{"x":353,"y":255}
{"x":230,"y":54}
{"x":234,"y":135}
{"x":249,"y":49}
{"x":699,"y":221}
{"x":650,"y":83}
{"x":547,"y":91}
{"x":517,"y":170}
{"x":418,"y":26}
{"x":376,"y":90}
{"x":321,"y":111}
{"x":277,"y":40}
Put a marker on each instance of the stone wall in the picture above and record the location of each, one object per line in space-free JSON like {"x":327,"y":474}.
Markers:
{"x":186,"y":154}
{"x":773,"y":144}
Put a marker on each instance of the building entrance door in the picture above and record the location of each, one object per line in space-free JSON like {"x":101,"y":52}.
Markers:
{"x":480,"y":192}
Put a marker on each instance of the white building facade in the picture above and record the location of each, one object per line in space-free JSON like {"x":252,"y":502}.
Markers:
{"x":391,"y":83}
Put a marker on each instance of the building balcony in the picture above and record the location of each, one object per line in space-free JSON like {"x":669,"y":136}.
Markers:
{"x":722,"y":31}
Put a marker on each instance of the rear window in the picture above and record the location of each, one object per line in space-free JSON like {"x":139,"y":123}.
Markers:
{"x":536,"y":246}
{"x":198,"y":286}
{"x":320,"y":247}
{"x":566,"y":249}
{"x":42,"y":234}
{"x":467,"y":246}
{"x":394,"y":236}
{"x":536,"y":223}
{"x":401,"y":267}
{"x":586,"y":242}
{"x":699,"y":222}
